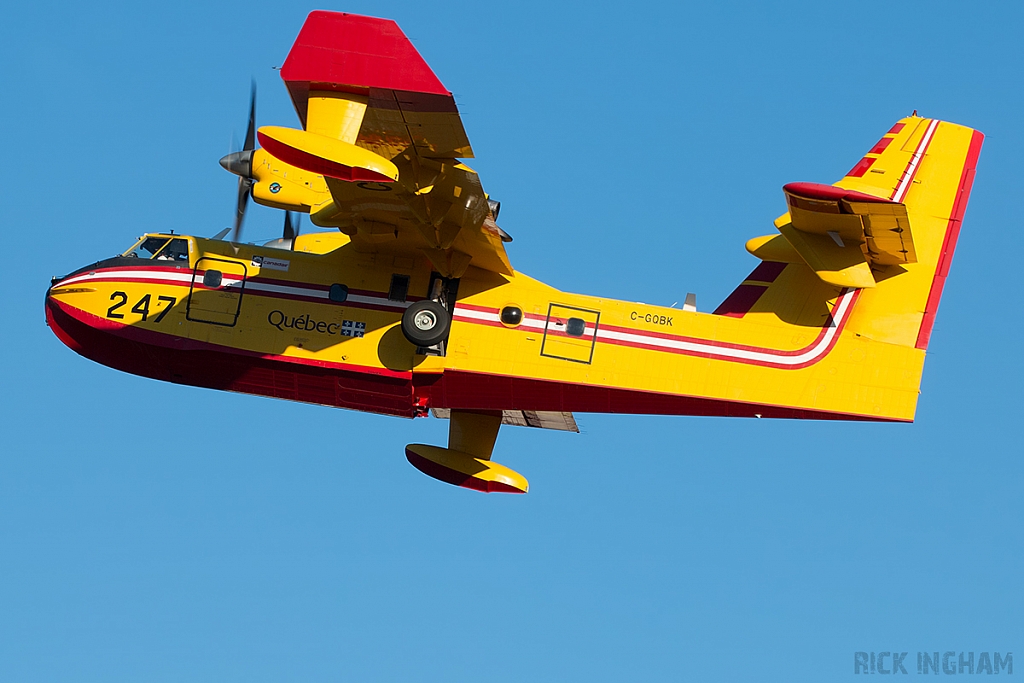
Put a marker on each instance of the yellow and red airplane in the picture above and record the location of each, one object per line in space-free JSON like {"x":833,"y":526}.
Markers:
{"x":407,"y":303}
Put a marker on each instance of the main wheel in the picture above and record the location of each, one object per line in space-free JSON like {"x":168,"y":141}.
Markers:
{"x":425,"y":323}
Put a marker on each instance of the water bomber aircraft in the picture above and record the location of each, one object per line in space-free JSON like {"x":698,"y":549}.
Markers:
{"x":403,"y":300}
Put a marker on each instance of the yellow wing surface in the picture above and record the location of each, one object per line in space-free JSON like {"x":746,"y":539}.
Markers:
{"x":379,"y":153}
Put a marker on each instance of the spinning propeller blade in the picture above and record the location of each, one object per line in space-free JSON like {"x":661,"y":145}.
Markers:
{"x":240,"y":163}
{"x":290,"y":232}
{"x":250,"y":132}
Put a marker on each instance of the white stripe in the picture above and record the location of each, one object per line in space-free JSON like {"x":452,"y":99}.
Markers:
{"x":185,"y":277}
{"x":915,"y":160}
{"x":491,"y":317}
{"x":842,"y":309}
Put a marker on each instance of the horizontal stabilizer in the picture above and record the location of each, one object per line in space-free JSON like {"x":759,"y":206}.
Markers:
{"x":843,"y":266}
{"x":840,"y":234}
{"x":881,"y":225}
{"x":775,"y":248}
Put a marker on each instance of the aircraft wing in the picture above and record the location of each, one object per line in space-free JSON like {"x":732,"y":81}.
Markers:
{"x":388,"y":139}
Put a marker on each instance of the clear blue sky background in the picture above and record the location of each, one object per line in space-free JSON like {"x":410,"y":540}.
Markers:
{"x":151,"y":532}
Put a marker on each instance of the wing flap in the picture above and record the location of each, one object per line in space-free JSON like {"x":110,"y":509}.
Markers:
{"x":539,"y":419}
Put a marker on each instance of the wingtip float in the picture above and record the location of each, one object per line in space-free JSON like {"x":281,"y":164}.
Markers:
{"x":462,"y":469}
{"x":403,"y":300}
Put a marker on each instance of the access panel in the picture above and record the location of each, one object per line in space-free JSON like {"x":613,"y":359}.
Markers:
{"x":569,"y":333}
{"x":215,"y":296}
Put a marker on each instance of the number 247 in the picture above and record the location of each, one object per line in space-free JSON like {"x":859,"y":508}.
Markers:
{"x":142,"y":307}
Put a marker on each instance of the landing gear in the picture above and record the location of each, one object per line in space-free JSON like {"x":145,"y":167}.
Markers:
{"x":425,"y":323}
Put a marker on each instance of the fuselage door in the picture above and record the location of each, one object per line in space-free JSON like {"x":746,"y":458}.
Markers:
{"x":215,"y":295}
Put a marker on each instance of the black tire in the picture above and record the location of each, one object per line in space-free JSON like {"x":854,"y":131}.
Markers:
{"x":425,"y":323}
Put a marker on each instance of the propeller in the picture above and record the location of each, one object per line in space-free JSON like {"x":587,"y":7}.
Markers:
{"x":240,"y":163}
{"x":290,"y":233}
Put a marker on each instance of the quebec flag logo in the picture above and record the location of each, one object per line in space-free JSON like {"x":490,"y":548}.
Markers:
{"x":352,"y":328}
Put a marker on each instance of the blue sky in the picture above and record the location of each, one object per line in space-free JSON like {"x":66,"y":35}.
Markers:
{"x":151,"y":532}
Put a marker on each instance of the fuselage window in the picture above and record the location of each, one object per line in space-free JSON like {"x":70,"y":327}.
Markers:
{"x":512,"y":315}
{"x":212,"y":278}
{"x":338,"y":293}
{"x":399,"y":288}
{"x":575,"y":327}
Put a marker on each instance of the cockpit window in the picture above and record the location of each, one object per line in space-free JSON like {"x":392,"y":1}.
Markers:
{"x":176,"y":250}
{"x":148,"y":247}
{"x":160,"y":249}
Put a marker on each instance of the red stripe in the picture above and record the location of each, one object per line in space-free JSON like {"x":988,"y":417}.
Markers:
{"x":663,"y":335}
{"x":262,"y":279}
{"x":382,"y":307}
{"x":487,"y":323}
{"x":949,"y":241}
{"x":494,"y":311}
{"x":386,"y":308}
{"x":293,"y":283}
{"x":861,"y":168}
{"x":102,"y":323}
{"x":479,"y":309}
{"x":158,"y":281}
{"x":143,"y":265}
{"x":896,"y":128}
{"x":880,"y":146}
{"x":749,"y":361}
{"x":149,"y":280}
{"x":712,"y":342}
{"x":675,"y":337}
{"x":258,"y":279}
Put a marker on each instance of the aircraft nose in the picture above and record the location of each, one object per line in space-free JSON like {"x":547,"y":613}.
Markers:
{"x":239,"y":163}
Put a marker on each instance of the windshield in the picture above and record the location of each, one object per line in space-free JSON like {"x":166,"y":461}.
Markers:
{"x":160,"y":248}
